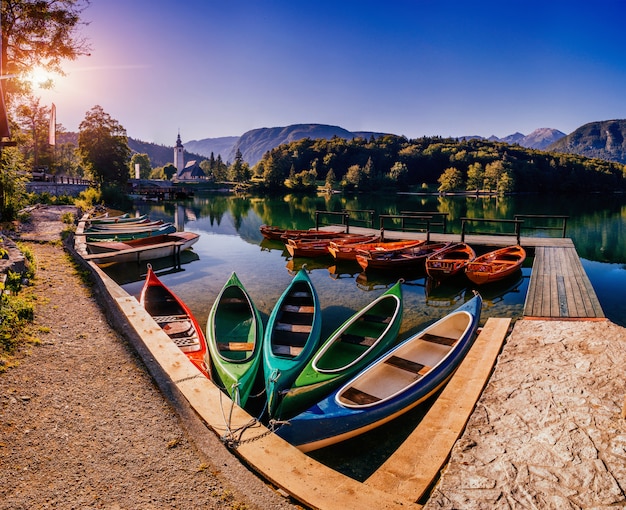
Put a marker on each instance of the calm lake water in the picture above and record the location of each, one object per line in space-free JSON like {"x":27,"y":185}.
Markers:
{"x":230,"y":241}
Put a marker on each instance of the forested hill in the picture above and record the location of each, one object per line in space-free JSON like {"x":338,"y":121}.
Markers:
{"x":604,"y":139}
{"x":449,"y":163}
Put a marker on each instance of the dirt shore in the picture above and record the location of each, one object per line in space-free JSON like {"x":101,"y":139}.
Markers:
{"x":82,"y":424}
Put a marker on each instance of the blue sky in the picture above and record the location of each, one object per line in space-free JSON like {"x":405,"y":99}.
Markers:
{"x":451,"y":68}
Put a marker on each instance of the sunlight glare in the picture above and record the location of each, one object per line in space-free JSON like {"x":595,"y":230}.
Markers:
{"x":40,"y":77}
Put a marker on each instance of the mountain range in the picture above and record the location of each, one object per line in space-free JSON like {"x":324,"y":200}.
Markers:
{"x":601,"y":139}
{"x":253,"y":144}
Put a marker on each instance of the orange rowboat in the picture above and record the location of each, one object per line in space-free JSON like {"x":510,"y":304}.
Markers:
{"x":348,"y":251}
{"x":496,"y":265}
{"x":303,"y":247}
{"x":411,"y":258}
{"x":450,"y":261}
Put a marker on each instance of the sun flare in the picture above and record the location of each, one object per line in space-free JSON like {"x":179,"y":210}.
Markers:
{"x":39,"y":77}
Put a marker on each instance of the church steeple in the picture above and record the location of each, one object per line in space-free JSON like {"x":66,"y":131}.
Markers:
{"x":179,"y":156}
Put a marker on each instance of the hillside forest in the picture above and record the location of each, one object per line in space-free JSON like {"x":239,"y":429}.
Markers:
{"x":450,"y":164}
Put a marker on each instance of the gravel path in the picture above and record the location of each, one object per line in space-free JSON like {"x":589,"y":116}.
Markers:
{"x":82,"y":424}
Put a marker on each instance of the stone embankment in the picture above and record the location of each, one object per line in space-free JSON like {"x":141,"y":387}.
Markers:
{"x":548,"y":430}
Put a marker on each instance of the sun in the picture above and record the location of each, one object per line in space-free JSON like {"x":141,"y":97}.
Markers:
{"x":40,"y":77}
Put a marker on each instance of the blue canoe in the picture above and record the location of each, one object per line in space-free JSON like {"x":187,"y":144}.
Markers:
{"x":392,"y":385}
{"x":292,"y":337}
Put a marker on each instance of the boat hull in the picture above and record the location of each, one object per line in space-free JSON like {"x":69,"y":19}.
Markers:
{"x":235,"y":336}
{"x":292,"y":336}
{"x":137,"y":250}
{"x":496,"y":265}
{"x":450,"y":261}
{"x":175,"y":319}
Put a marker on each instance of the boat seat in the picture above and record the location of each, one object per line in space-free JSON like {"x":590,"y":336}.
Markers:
{"x":189,"y":343}
{"x":367,"y":341}
{"x":358,"y":397}
{"x":286,"y":350}
{"x":169,"y":318}
{"x":441,"y":340}
{"x":382,"y":319}
{"x":178,"y":327}
{"x":300,"y":294}
{"x":235,"y":346}
{"x":233,"y":301}
{"x":298,"y":309}
{"x":293,"y":328}
{"x":408,"y":365}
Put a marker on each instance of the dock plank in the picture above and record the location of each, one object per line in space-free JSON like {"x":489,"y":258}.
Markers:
{"x":559,"y":286}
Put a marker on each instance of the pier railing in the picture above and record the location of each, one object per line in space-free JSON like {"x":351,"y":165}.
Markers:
{"x":439,"y":219}
{"x":467,"y":222}
{"x":408,"y":223}
{"x":534,"y":218}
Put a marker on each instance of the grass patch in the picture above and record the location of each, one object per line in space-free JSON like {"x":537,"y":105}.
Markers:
{"x":17,"y":312}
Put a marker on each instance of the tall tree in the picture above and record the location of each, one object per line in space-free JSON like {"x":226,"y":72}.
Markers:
{"x":103,"y":148}
{"x":35,"y":120}
{"x":39,"y":33}
{"x":145,"y":167}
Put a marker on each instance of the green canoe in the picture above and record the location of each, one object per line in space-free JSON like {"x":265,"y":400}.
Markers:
{"x":360,"y":340}
{"x":292,"y":337}
{"x":235,"y":335}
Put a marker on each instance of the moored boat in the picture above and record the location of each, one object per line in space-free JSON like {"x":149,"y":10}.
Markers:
{"x":349,"y":251}
{"x":138,"y":225}
{"x":123,"y":218}
{"x":311,"y":248}
{"x":127,"y":234}
{"x":280,"y":234}
{"x":137,"y":250}
{"x":357,"y":342}
{"x":496,"y":265}
{"x":396,"y":382}
{"x":449,"y":261}
{"x":175,"y":319}
{"x":411,"y":258}
{"x":235,"y":338}
{"x":292,"y":336}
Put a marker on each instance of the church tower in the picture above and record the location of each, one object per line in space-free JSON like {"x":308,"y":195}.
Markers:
{"x":179,"y":157}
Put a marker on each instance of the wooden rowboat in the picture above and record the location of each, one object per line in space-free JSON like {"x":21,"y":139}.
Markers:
{"x":114,"y":227}
{"x":412,"y":257}
{"x":282,"y":234}
{"x":235,"y":337}
{"x":176,"y":319}
{"x":311,"y":248}
{"x":128,"y":234}
{"x":392,"y":385}
{"x":354,"y":345}
{"x":137,"y":250}
{"x":349,"y":251}
{"x":496,"y":265}
{"x":291,"y":337}
{"x":450,"y":261}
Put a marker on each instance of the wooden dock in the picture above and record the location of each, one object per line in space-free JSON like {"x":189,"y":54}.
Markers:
{"x":559,"y":287}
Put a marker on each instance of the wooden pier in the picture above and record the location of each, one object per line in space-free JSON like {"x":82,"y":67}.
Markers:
{"x":559,"y":287}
